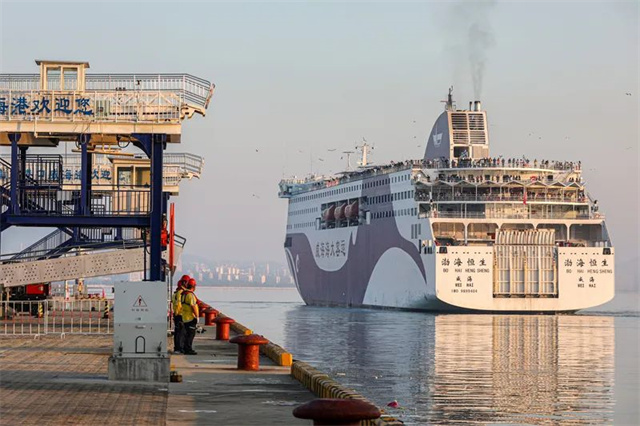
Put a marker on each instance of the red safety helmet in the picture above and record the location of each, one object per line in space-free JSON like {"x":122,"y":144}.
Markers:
{"x":182,"y":282}
{"x":192,"y":284}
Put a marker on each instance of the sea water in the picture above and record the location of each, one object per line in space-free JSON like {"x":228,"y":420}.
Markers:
{"x":461,"y":368}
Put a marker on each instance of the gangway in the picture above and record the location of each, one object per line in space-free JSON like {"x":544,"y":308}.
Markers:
{"x":89,"y":260}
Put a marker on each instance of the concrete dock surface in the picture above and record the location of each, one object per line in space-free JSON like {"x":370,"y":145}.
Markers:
{"x":63,"y":381}
{"x":213,"y":391}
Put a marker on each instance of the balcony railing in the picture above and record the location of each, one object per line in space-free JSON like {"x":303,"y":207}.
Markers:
{"x":191,"y":89}
{"x":294,"y":186}
{"x":104,"y":201}
{"x":542,"y":198}
{"x":513,"y":215}
{"x":177,"y":166}
{"x":139,"y":98}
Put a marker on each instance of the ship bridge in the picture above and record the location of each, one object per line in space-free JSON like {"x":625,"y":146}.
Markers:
{"x":103,"y":194}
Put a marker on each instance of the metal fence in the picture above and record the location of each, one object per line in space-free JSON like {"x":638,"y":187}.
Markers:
{"x":85,"y":316}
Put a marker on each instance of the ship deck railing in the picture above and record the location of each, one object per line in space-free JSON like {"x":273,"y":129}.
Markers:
{"x":499,"y":198}
{"x":315,"y":183}
{"x":519,"y":216}
{"x":140,"y":98}
{"x":454,"y":181}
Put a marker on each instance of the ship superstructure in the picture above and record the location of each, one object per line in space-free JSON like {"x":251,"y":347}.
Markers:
{"x":457,"y":229}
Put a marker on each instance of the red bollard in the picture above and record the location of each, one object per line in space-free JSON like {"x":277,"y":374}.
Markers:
{"x":222,"y":327}
{"x":202,"y":307}
{"x":249,"y":351}
{"x":328,"y":411}
{"x":209,"y":315}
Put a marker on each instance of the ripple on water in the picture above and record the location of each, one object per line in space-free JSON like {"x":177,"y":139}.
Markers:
{"x":446,"y":369}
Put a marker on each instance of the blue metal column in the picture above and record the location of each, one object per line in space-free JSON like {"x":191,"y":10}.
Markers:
{"x":23,"y":166}
{"x":85,"y":175}
{"x":15,"y":205}
{"x":157,"y":146}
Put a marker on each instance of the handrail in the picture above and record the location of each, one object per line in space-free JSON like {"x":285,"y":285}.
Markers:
{"x":42,"y":254}
{"x":436,"y":198}
{"x":194,"y":89}
{"x":177,"y":166}
{"x":43,"y":244}
{"x":294,"y":186}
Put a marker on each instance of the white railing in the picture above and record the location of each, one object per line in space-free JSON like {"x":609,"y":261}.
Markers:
{"x":570,"y":215}
{"x":191,"y":89}
{"x":85,"y":316}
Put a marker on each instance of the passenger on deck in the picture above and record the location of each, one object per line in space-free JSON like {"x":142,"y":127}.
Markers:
{"x":190,"y":314}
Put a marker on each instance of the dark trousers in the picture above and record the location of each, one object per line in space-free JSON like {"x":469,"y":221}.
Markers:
{"x":189,"y":334}
{"x":178,"y":333}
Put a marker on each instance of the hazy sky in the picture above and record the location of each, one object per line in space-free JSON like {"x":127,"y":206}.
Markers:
{"x":295,"y":79}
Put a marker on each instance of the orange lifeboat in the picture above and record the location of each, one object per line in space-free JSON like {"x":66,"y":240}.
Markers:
{"x":340,"y":211}
{"x":352,"y":210}
{"x":328,"y":214}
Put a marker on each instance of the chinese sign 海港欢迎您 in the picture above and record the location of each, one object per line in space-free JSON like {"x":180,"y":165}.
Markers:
{"x":63,"y":105}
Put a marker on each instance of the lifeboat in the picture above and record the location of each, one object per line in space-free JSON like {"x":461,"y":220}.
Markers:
{"x":328,"y":214}
{"x":340,"y":211}
{"x":352,"y":210}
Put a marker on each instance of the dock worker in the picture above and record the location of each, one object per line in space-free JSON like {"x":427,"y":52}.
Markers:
{"x":190,"y":314}
{"x":178,"y":324}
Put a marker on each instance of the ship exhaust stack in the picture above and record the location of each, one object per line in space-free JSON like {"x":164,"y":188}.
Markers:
{"x":459,"y":134}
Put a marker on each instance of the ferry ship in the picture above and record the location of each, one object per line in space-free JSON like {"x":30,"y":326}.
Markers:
{"x":458,"y":230}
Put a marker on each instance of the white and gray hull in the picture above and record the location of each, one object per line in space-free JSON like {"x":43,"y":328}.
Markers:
{"x":385,"y":262}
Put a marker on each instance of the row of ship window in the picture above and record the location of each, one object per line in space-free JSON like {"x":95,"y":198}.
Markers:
{"x":404,"y":195}
{"x":331,"y":192}
{"x":394,"y":213}
{"x":301,"y":225}
{"x":304,"y":211}
{"x":357,"y":187}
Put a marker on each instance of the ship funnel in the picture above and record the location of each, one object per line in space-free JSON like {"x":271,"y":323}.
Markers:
{"x":475,"y":106}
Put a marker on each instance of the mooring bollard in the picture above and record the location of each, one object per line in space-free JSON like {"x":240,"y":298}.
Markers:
{"x":222,"y":327}
{"x":209,"y":315}
{"x":330,"y":411}
{"x":249,"y":351}
{"x":202,"y":307}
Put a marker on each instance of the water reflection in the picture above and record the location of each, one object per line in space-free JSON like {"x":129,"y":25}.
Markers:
{"x":523,"y":369}
{"x":465,"y":368}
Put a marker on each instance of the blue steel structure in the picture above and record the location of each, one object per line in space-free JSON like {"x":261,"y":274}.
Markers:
{"x":142,"y":109}
{"x":152,"y":144}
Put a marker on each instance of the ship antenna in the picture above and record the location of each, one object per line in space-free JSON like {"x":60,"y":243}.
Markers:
{"x":348,"y":159}
{"x":365,"y":149}
{"x":449,"y":102}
